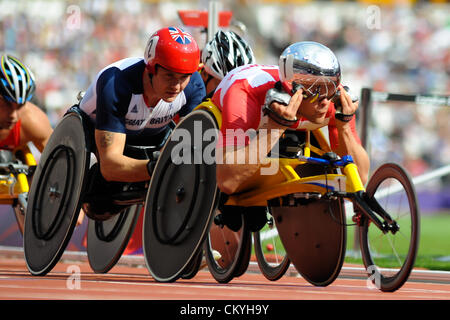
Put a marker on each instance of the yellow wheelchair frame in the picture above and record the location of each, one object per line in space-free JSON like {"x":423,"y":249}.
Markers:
{"x":286,"y":181}
{"x":14,"y":181}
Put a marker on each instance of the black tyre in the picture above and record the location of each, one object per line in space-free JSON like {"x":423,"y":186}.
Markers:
{"x":193,"y":267}
{"x":269,"y":251}
{"x":107,"y":240}
{"x":181,"y":199}
{"x":234,"y":248}
{"x":55,"y":195}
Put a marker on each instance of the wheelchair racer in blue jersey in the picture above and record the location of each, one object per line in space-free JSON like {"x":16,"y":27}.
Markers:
{"x":134,"y":100}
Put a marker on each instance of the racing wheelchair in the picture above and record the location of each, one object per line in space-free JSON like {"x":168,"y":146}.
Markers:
{"x":306,"y":198}
{"x":67,"y":180}
{"x":16,"y":170}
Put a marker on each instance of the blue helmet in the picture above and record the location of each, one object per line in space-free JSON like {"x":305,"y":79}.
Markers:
{"x":16,"y":80}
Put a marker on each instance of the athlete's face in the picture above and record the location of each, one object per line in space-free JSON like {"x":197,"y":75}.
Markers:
{"x":8,"y":113}
{"x":168,"y":84}
{"x":211,"y":83}
{"x":315,"y":111}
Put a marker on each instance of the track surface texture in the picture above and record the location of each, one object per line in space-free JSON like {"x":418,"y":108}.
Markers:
{"x":73,"y":279}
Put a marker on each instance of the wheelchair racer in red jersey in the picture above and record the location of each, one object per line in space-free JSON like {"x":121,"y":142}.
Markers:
{"x":294,"y":95}
{"x":21,"y":121}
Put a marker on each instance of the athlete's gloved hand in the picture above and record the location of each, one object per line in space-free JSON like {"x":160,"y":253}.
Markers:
{"x":346,"y":105}
{"x":277,"y":95}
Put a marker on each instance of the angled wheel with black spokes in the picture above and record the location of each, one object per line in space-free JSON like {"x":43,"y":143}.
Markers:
{"x":233,"y":247}
{"x":389,"y":256}
{"x":269,"y":251}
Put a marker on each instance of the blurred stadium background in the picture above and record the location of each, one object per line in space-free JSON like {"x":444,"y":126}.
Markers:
{"x":399,"y":46}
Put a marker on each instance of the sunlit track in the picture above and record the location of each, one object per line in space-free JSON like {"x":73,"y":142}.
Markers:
{"x":127,"y":282}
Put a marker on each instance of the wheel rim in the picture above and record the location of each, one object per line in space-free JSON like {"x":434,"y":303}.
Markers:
{"x":54,"y":196}
{"x":389,"y":257}
{"x":51,"y":192}
{"x":180,"y":201}
{"x":269,"y":251}
{"x":106,"y":240}
{"x":232,"y":248}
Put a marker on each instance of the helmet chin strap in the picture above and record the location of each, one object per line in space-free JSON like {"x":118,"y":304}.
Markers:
{"x":150,"y":78}
{"x":210,"y":77}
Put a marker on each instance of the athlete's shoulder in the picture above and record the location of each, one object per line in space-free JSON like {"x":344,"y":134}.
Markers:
{"x":253,"y":79}
{"x":123,"y":77}
{"x":125,"y":69}
{"x":125,"y":63}
{"x":253,"y":75}
{"x":33,"y":113}
{"x":254,"y":70}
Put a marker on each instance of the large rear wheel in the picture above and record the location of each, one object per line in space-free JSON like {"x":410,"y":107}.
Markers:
{"x":55,"y":194}
{"x":181,"y":199}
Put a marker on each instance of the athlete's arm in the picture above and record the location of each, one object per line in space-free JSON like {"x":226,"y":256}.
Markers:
{"x":234,"y":167}
{"x":113,"y":93}
{"x":115,"y":166}
{"x":347,"y":141}
{"x":35,"y":126}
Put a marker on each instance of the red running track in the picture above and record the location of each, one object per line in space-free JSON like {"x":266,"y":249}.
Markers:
{"x":130,"y":280}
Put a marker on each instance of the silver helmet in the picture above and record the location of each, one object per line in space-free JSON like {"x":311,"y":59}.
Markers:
{"x":312,"y":66}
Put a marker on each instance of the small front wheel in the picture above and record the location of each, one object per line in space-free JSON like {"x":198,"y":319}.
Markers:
{"x":19,"y":213}
{"x":270,"y":252}
{"x":234,"y":248}
{"x":389,"y":257}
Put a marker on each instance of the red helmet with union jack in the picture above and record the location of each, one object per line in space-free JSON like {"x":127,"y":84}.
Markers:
{"x":174,"y":49}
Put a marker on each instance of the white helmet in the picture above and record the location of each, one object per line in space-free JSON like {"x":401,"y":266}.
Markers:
{"x":224,"y":52}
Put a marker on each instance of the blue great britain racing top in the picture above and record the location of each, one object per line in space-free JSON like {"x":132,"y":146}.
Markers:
{"x":115,"y":100}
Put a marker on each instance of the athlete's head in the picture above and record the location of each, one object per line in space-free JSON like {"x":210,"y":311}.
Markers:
{"x":224,"y":52}
{"x":16,"y":80}
{"x":174,"y":49}
{"x":171,"y":56}
{"x":312,"y":66}
{"x":16,"y":88}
